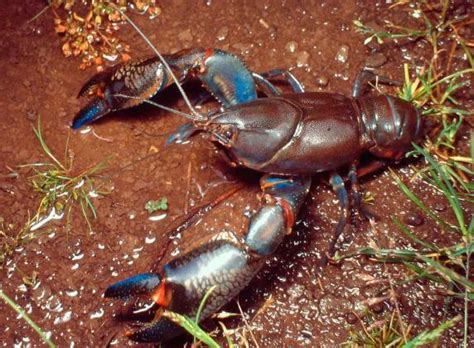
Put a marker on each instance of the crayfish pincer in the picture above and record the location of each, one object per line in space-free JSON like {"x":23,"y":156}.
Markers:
{"x":289,"y":137}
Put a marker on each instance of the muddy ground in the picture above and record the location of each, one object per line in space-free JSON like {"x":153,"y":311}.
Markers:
{"x":290,"y":303}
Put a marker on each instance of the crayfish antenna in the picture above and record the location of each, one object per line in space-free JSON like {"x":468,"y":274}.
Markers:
{"x":160,"y":106}
{"x":141,"y":284}
{"x":197,"y":115}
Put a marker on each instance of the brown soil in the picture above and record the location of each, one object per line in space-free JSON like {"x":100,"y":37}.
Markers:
{"x":303,"y":307}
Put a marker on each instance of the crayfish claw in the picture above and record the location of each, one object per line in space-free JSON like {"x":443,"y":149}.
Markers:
{"x":95,"y":83}
{"x":140,"y":284}
{"x":182,"y":134}
{"x":95,"y":109}
{"x":160,"y":330}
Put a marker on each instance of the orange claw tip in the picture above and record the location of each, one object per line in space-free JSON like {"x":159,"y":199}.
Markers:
{"x":208,"y":53}
{"x":289,"y":214}
{"x":129,"y":332}
{"x":161,"y":296}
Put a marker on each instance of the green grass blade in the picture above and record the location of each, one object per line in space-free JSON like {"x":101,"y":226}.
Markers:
{"x":445,"y":185}
{"x":25,"y":316}
{"x":422,"y":272}
{"x":385,"y":255}
{"x":203,"y":302}
{"x":90,"y":205}
{"x":448,"y":273}
{"x":192,"y":327}
{"x":44,"y":146}
{"x":405,"y":230}
{"x":226,"y":334}
{"x":427,"y":337}
{"x":404,"y":188}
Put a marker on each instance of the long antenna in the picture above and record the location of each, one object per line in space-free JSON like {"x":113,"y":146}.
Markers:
{"x":197,"y":115}
{"x":161,"y":106}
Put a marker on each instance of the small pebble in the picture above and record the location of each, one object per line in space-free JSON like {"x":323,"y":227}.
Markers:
{"x":273,"y":32}
{"x":378,"y":307}
{"x":343,"y":54}
{"x":241,"y":47}
{"x":440,"y":207}
{"x":375,"y":60}
{"x":31,"y":115}
{"x":307,"y":334}
{"x":222,"y":33}
{"x":302,"y":59}
{"x":291,"y":46}
{"x":322,"y":81}
{"x":185,"y":35}
{"x":351,"y":318}
{"x":374,"y":45}
{"x":414,"y":219}
{"x":37,"y":30}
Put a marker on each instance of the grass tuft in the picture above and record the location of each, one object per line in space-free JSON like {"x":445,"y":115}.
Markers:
{"x":445,"y":265}
{"x":60,"y":190}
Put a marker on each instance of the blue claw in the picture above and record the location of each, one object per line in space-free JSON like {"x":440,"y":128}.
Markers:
{"x":183,"y":134}
{"x":227,"y":78}
{"x":161,"y":330}
{"x":137,"y":285}
{"x":92,"y":111}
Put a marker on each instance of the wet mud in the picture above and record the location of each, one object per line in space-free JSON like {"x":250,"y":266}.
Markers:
{"x":291,"y":302}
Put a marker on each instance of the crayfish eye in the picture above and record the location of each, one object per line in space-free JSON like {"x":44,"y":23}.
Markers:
{"x":228,"y":134}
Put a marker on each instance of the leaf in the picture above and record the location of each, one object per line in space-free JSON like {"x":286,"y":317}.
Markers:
{"x":160,"y":204}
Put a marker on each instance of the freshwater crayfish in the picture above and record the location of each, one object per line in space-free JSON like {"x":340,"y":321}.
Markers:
{"x":290,"y":137}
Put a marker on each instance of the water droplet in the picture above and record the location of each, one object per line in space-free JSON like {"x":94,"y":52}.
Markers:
{"x":72,"y":293}
{"x":322,"y":81}
{"x":414,"y":219}
{"x":157,"y":217}
{"x":97,"y":314}
{"x":77,"y":255}
{"x":132,"y":215}
{"x":64,"y":318}
{"x":150,"y":239}
{"x":343,"y":54}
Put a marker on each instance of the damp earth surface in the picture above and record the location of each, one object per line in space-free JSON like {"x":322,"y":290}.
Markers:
{"x":291,"y":302}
